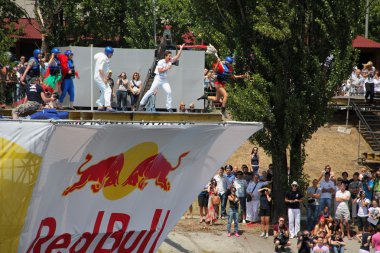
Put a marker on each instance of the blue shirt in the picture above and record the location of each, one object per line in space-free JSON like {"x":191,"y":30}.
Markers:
{"x":368,"y":192}
{"x":230,"y":179}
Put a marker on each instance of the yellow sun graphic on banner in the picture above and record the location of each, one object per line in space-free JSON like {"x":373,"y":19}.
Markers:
{"x":121,"y":174}
{"x":19,"y":170}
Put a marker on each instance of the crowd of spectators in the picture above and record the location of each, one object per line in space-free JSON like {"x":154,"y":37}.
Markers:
{"x":337,"y":207}
{"x":365,"y":81}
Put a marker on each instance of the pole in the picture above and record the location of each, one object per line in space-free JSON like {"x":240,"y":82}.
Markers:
{"x":92,"y":78}
{"x":366,"y":18}
{"x":349,"y":100}
{"x":359,"y":141}
{"x":154,"y":24}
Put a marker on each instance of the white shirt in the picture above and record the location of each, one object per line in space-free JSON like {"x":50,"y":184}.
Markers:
{"x":370,"y":73}
{"x":363,"y":210}
{"x":340,"y":194}
{"x":255,"y":193}
{"x":162,"y":64}
{"x":326,"y":185}
{"x":101,"y":63}
{"x":241,"y":187}
{"x":222,"y":183}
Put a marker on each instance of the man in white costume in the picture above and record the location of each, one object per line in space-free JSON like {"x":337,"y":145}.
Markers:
{"x":160,"y":79}
{"x":102,"y":66}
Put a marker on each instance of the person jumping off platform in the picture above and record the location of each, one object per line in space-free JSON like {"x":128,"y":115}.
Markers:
{"x":160,"y":79}
{"x":224,"y":72}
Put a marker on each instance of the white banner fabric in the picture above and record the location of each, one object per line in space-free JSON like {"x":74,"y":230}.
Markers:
{"x":22,"y":146}
{"x":122,"y":188}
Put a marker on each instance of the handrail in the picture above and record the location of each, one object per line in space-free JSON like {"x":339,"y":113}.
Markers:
{"x":362,"y":119}
{"x":147,"y":78}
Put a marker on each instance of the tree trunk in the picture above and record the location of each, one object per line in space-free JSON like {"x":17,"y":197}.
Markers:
{"x":296,"y":160}
{"x":280,"y":183}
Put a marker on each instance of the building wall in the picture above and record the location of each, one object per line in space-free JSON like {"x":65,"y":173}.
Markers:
{"x":28,"y":5}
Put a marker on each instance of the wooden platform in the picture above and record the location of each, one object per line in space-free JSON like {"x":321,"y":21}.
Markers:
{"x":137,"y":116}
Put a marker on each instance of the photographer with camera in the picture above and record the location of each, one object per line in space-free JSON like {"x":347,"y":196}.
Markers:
{"x":293,"y":198}
{"x":363,"y":203}
{"x":304,"y":242}
{"x":233,"y":212}
{"x":313,"y":194}
{"x":367,"y":184}
{"x":265,"y":207}
{"x":281,"y":234}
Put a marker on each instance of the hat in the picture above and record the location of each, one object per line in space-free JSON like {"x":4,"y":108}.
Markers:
{"x":368,"y":63}
{"x":295,"y":183}
{"x":322,"y":218}
{"x":34,"y":79}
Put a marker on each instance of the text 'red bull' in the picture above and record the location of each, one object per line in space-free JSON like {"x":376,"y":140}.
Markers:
{"x":106,"y":173}
{"x":121,"y":240}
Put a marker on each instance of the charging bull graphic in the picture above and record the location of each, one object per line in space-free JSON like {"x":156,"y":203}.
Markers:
{"x":119,"y":175}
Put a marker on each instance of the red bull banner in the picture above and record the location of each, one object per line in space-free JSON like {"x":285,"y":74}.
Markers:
{"x":120,"y":188}
{"x":22,"y":147}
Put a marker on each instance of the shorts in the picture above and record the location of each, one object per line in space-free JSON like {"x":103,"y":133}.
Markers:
{"x":363,"y":222}
{"x":264,"y":212}
{"x":282,"y":240}
{"x":219,"y":83}
{"x":342,"y":214}
{"x":27,"y":108}
{"x":203,"y":199}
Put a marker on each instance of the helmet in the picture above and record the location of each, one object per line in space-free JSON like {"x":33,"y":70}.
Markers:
{"x":69,"y":52}
{"x":229,"y":59}
{"x":108,"y":50}
{"x":55,"y":50}
{"x":36,"y":52}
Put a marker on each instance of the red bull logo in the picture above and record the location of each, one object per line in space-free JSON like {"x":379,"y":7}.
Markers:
{"x":119,"y":175}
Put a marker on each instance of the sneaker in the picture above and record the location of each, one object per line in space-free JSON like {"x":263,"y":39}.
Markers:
{"x":262,"y":234}
{"x":266,"y":235}
{"x":224,"y":113}
{"x":170,"y":110}
{"x":228,"y":234}
{"x":204,"y":96}
{"x":237,"y":235}
{"x":276,"y":248}
{"x":244,"y":222}
{"x":291,"y":236}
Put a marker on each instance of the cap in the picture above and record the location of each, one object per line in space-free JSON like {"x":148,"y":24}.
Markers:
{"x":34,"y":80}
{"x":322,"y":218}
{"x":229,"y":166}
{"x":295,"y":183}
{"x":229,"y":59}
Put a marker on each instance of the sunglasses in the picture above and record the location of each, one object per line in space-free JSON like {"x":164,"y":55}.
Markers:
{"x":282,"y":220}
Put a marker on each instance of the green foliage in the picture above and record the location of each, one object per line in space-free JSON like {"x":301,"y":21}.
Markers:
{"x":9,"y":11}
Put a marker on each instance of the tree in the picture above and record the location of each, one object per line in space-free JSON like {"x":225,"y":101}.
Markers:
{"x":9,"y":12}
{"x":293,"y":80}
